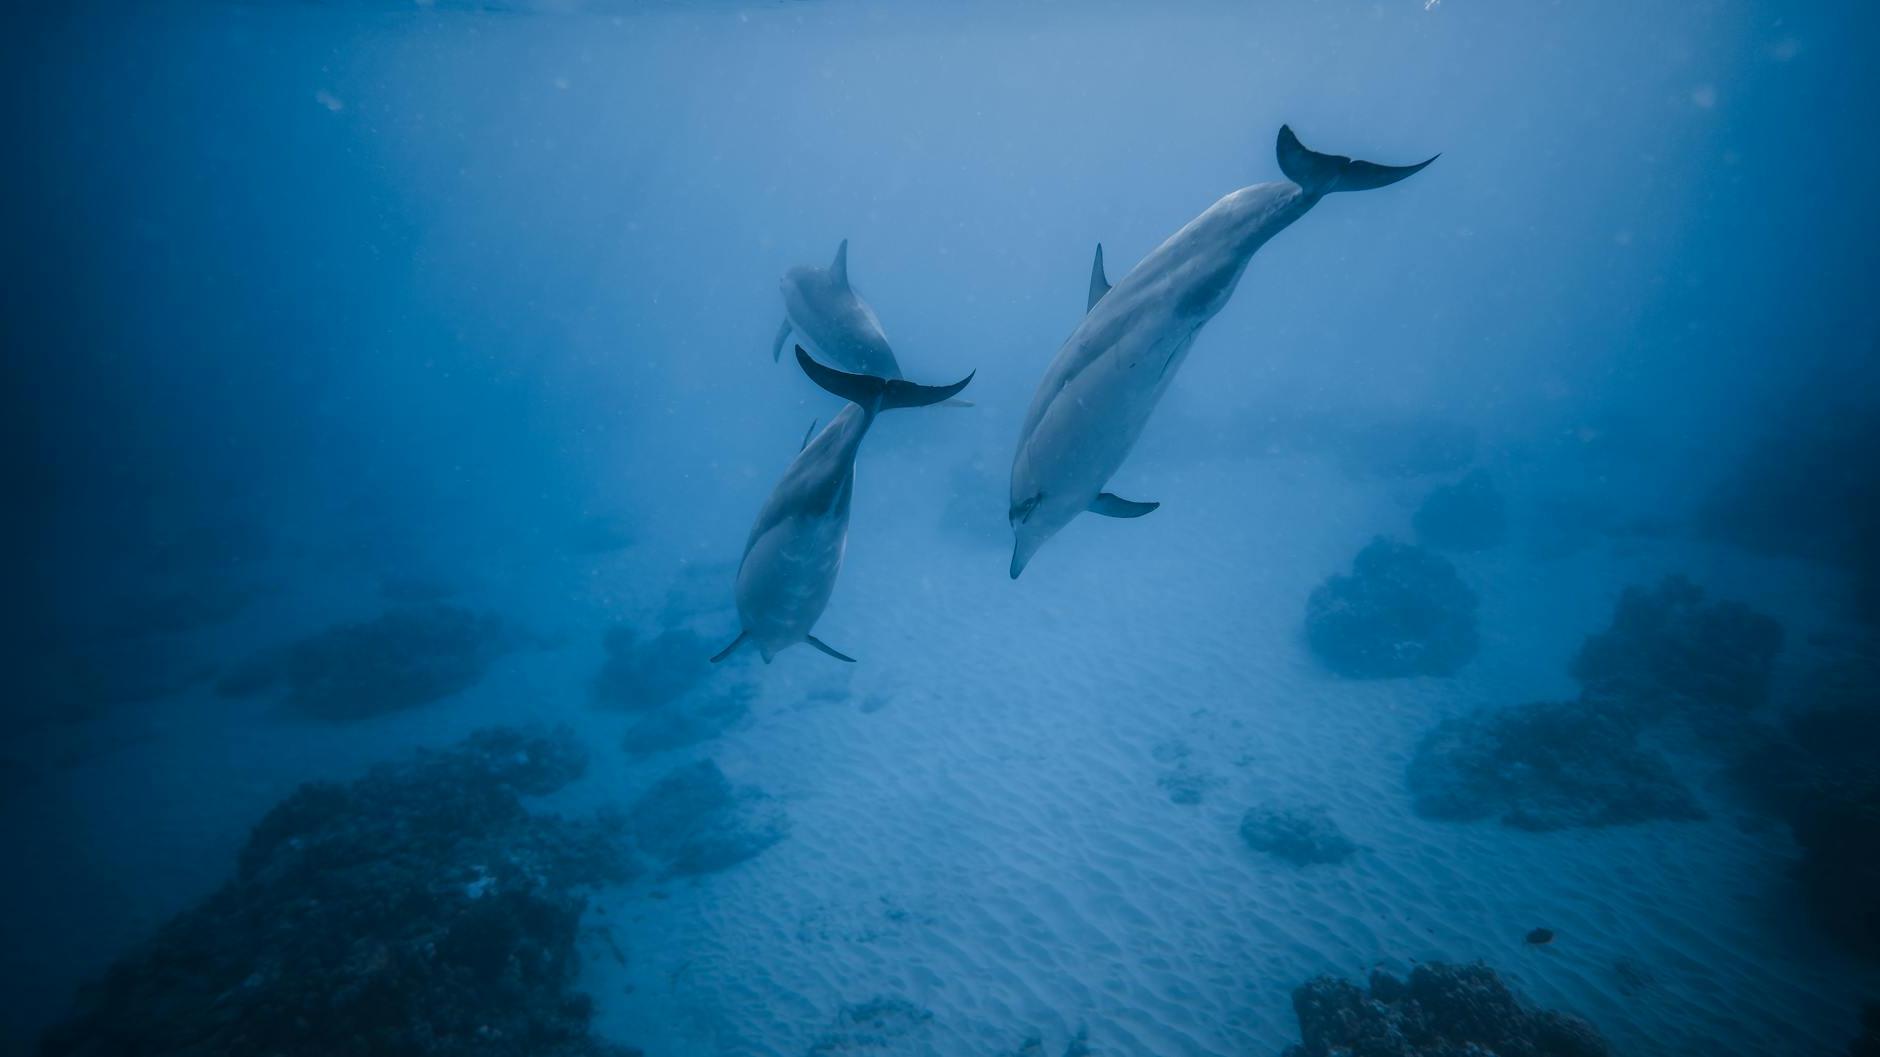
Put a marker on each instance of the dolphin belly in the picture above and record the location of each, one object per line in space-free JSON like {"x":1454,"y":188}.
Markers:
{"x":1086,"y":430}
{"x":787,"y":577}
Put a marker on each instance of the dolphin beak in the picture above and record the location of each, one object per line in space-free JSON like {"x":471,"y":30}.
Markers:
{"x":1021,"y":555}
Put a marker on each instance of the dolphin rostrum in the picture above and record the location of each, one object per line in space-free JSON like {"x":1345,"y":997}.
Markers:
{"x":1099,"y":391}
{"x":795,"y":548}
{"x":819,"y":304}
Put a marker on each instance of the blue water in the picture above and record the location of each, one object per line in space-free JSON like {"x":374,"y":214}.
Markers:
{"x":383,"y":372}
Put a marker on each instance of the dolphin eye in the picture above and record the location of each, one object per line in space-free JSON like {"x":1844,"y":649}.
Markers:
{"x":1021,"y":513}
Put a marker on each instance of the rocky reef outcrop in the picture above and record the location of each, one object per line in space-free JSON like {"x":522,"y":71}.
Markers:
{"x":1440,"y":1011}
{"x":403,"y":658}
{"x":1545,"y":766}
{"x":423,"y":909}
{"x":1401,"y":611}
{"x":1670,"y":650}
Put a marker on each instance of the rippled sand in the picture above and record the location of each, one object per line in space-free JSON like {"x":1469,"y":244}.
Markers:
{"x":980,"y":824}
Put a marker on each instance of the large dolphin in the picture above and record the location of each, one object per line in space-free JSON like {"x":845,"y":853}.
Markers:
{"x":795,"y":548}
{"x":819,"y":304}
{"x":1098,"y":393}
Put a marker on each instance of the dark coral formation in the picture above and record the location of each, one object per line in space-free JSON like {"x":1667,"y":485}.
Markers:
{"x":658,"y":680}
{"x":1402,"y":611}
{"x":1809,"y":489}
{"x":641,"y":673}
{"x":1302,"y":836}
{"x":1815,"y":770}
{"x":1669,"y":651}
{"x":697,"y":822}
{"x":401,"y":659}
{"x":1466,"y":516}
{"x":1867,"y":1043}
{"x":687,"y":722}
{"x":1440,"y":1011}
{"x":422,"y":909}
{"x":1545,"y":766}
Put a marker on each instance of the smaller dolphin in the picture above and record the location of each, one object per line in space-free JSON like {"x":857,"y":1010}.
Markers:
{"x":819,"y":304}
{"x":795,"y":548}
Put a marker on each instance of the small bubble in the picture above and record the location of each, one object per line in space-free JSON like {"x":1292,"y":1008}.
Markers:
{"x":329,"y":100}
{"x":1704,"y":95}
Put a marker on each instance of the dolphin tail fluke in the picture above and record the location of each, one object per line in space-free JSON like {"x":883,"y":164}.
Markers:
{"x":783,"y":335}
{"x":877,"y":394}
{"x":1321,"y":174}
{"x":826,"y":648}
{"x":731,"y":649}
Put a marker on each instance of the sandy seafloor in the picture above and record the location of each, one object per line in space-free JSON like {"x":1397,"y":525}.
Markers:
{"x":976,"y":821}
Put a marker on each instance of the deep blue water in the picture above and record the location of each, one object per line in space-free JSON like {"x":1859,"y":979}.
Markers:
{"x":378,"y":373}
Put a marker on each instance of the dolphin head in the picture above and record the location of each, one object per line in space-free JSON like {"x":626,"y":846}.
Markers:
{"x":1035,"y":519}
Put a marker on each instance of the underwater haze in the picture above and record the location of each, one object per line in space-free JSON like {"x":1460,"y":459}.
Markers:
{"x":393,"y":389}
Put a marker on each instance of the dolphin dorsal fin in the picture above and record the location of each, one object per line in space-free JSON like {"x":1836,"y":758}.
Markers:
{"x":1099,"y":285}
{"x":840,"y":269}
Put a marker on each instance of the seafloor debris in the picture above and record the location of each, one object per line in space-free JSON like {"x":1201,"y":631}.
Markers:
{"x":422,"y":910}
{"x":1302,"y":836}
{"x":884,"y":1025}
{"x":1466,"y":516}
{"x":1401,"y":611}
{"x":1544,"y":766}
{"x":698,"y":822}
{"x":1540,"y":937}
{"x":400,"y":659}
{"x":1441,"y":1011}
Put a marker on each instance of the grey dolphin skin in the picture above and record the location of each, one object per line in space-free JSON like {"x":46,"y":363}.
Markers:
{"x":795,"y":548}
{"x":819,"y":304}
{"x":1098,"y":393}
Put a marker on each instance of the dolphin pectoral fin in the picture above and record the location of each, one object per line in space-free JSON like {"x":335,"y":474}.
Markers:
{"x":825,"y":647}
{"x":783,"y":335}
{"x":807,"y":434}
{"x":839,"y":268}
{"x":731,"y":649}
{"x":1321,"y":174}
{"x":1099,"y":284}
{"x":1116,"y":506}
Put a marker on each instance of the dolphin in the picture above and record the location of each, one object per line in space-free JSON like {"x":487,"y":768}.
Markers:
{"x":1098,"y":393}
{"x":795,"y":548}
{"x":819,"y":304}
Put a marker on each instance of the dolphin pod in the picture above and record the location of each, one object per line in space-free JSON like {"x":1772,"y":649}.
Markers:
{"x":1097,"y":394}
{"x":1086,"y":416}
{"x":795,"y":549}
